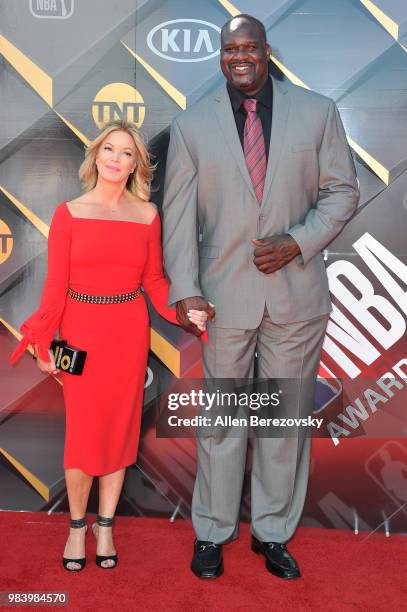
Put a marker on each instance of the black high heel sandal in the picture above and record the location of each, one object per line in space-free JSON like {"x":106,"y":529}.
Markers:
{"x":76,"y":524}
{"x":104,"y":522}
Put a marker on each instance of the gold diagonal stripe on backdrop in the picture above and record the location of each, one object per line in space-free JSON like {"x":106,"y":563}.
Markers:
{"x":32,"y":217}
{"x":39,"y":80}
{"x":17,"y":335}
{"x":382,"y":172}
{"x":385,"y":21}
{"x":74,"y":129}
{"x":172,"y":91}
{"x":38,"y":485}
{"x":167,"y":352}
{"x":34,"y":481}
{"x":230,"y":8}
{"x":290,"y":75}
{"x":376,"y":166}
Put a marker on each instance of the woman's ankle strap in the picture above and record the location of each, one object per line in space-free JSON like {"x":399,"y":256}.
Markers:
{"x":77,"y":523}
{"x":104,"y":521}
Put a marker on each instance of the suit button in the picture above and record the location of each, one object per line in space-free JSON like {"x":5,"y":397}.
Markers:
{"x":261,"y":217}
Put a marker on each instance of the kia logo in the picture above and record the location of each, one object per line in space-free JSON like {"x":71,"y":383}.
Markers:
{"x":185,"y":40}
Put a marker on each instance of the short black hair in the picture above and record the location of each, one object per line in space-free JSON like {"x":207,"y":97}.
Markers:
{"x":250,"y":18}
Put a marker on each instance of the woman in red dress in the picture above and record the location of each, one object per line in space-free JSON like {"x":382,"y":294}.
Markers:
{"x":107,"y":242}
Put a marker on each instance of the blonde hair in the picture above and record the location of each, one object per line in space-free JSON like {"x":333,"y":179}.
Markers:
{"x":139,"y":181}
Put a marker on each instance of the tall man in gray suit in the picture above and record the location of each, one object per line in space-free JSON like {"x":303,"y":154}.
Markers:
{"x":262,"y":170}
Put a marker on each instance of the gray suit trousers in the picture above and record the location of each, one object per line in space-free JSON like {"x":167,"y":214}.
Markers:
{"x":280,"y":469}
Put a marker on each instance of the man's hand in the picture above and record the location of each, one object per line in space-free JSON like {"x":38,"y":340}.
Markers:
{"x":273,"y":253}
{"x":193,"y":303}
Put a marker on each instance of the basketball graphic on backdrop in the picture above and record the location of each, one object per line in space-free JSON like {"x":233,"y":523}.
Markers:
{"x":118,"y":101}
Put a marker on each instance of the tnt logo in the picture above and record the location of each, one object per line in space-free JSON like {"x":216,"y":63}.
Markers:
{"x":6,"y":242}
{"x":118,"y":101}
{"x":185,"y":40}
{"x":51,"y":9}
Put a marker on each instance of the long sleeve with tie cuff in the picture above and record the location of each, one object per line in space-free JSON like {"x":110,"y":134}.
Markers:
{"x":154,"y":281}
{"x":41,"y":326}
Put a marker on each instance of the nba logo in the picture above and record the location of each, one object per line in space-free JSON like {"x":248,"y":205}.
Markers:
{"x":388,"y":468}
{"x":51,"y":9}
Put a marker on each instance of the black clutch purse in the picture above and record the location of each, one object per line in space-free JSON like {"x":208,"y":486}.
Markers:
{"x":67,"y":358}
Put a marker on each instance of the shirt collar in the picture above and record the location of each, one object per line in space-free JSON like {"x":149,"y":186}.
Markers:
{"x":264,"y":96}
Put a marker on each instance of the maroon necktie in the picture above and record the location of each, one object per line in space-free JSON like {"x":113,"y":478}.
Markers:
{"x":254,"y":148}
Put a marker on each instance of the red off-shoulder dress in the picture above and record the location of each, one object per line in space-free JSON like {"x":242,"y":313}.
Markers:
{"x":104,"y":404}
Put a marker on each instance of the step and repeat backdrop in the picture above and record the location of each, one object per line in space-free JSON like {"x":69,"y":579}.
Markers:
{"x":67,"y":67}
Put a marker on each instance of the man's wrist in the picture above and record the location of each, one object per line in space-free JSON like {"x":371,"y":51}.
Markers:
{"x":299,"y":252}
{"x":294,"y":245}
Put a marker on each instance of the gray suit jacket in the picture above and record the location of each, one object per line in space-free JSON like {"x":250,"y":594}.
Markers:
{"x":211,"y":212}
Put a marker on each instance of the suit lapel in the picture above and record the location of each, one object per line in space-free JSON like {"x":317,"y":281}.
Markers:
{"x":281,"y":106}
{"x":227,"y":124}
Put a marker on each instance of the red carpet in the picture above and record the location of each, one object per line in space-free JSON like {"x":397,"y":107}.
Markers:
{"x":340,"y":571}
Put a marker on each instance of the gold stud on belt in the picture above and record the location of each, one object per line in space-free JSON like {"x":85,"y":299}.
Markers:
{"x":104,"y":299}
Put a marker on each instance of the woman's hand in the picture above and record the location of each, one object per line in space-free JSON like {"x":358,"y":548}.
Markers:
{"x":48,"y":367}
{"x":199,"y":318}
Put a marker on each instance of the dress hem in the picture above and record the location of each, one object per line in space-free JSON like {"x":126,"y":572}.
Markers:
{"x":76,"y":467}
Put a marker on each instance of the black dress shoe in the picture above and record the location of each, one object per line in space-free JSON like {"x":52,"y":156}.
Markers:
{"x":207,"y":561}
{"x":278,"y":560}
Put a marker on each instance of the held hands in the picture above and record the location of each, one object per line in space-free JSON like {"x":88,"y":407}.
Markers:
{"x":273,"y":253}
{"x":48,"y":367}
{"x":193,"y":312}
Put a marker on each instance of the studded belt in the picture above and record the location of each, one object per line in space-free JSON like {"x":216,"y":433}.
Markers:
{"x":104,"y":299}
